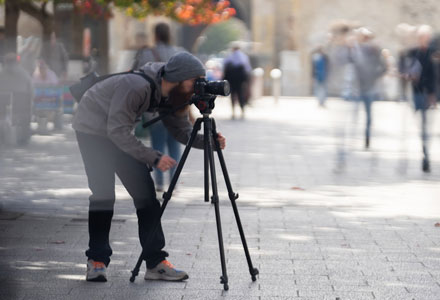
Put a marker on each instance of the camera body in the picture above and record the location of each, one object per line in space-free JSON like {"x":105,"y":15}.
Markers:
{"x":206,"y":91}
{"x":219,"y":87}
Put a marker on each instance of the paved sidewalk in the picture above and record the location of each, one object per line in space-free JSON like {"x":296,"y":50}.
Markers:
{"x":324,"y":218}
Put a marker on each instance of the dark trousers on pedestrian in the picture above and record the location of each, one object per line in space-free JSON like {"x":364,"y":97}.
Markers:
{"x":102,"y":160}
{"x":367,"y":98}
{"x":421,"y":104}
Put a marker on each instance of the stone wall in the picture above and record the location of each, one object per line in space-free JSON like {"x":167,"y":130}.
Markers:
{"x":273,"y":29}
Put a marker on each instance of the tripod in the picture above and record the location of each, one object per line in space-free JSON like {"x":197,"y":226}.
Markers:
{"x":206,"y":104}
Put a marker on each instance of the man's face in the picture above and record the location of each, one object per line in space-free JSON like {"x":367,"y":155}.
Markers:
{"x":187,"y":86}
{"x":424,"y":40}
{"x":182,"y":92}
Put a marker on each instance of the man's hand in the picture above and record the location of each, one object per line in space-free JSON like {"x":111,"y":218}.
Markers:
{"x":165,"y":163}
{"x":222,"y":140}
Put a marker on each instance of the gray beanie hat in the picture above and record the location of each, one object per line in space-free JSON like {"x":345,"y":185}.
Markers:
{"x":183,"y":66}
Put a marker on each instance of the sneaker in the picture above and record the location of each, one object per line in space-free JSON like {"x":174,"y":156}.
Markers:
{"x":96,"y":271}
{"x":425,"y":166}
{"x":165,"y":271}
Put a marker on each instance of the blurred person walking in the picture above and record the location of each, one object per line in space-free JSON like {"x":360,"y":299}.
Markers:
{"x":29,"y":54}
{"x":15,"y":81}
{"x":2,"y":44}
{"x":420,"y":72}
{"x":56,"y":57}
{"x":320,"y":71}
{"x":435,"y":46}
{"x":142,"y":46}
{"x":161,"y":139}
{"x":161,"y":52}
{"x":406,"y":34}
{"x":369,"y":67}
{"x":390,"y":82}
{"x":237,"y":70}
{"x":43,"y":75}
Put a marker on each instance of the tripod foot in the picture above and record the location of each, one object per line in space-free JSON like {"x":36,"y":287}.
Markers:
{"x":254,"y":272}
{"x":134,"y":273}
{"x":224,"y":281}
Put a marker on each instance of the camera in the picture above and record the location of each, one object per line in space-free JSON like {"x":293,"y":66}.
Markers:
{"x":204,"y":87}
{"x":206,"y":91}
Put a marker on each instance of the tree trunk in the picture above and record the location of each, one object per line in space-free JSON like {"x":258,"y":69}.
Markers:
{"x":46,"y":21}
{"x":189,"y":35}
{"x":12,"y":13}
{"x":77,"y":34}
{"x":39,"y":13}
{"x":103,"y":59}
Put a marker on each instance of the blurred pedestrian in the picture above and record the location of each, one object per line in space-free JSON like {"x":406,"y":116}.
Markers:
{"x":15,"y":80}
{"x":349,"y":86}
{"x":320,"y":71}
{"x":161,"y":139}
{"x":435,"y":46}
{"x":407,"y":37}
{"x":420,"y":72}
{"x":161,"y":52}
{"x":369,"y":67}
{"x":56,"y":57}
{"x":237,"y":70}
{"x":141,"y":45}
{"x":43,"y":75}
{"x":90,"y":62}
{"x":29,"y":54}
{"x":2,"y":43}
{"x":390,"y":82}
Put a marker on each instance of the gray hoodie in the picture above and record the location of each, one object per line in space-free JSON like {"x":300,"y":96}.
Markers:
{"x":369,"y":66}
{"x":110,"y":108}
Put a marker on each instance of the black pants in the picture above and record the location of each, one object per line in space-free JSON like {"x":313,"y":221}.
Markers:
{"x":102,"y":159}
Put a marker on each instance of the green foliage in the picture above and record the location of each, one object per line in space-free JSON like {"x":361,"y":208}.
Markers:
{"x":219,"y":36}
{"x":192,"y":12}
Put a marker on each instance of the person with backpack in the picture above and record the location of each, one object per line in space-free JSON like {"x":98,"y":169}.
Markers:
{"x":104,"y":124}
{"x":421,"y":73}
{"x":237,"y":70}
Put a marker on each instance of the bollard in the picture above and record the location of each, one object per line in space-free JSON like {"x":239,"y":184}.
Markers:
{"x":257,"y":83}
{"x":275,"y":74}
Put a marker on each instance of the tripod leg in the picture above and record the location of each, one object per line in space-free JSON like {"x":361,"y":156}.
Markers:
{"x":215,"y":201}
{"x":232,"y":196}
{"x":167,"y":195}
{"x":206,"y":165}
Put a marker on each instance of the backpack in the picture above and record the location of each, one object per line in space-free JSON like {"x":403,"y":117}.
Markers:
{"x":80,"y":88}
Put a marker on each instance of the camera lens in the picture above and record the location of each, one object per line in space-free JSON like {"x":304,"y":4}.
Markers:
{"x":220,"y":87}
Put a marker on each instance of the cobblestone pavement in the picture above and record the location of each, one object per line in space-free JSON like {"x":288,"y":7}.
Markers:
{"x":324,"y":218}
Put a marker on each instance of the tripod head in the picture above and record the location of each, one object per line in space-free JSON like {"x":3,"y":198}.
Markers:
{"x":205,"y":103}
